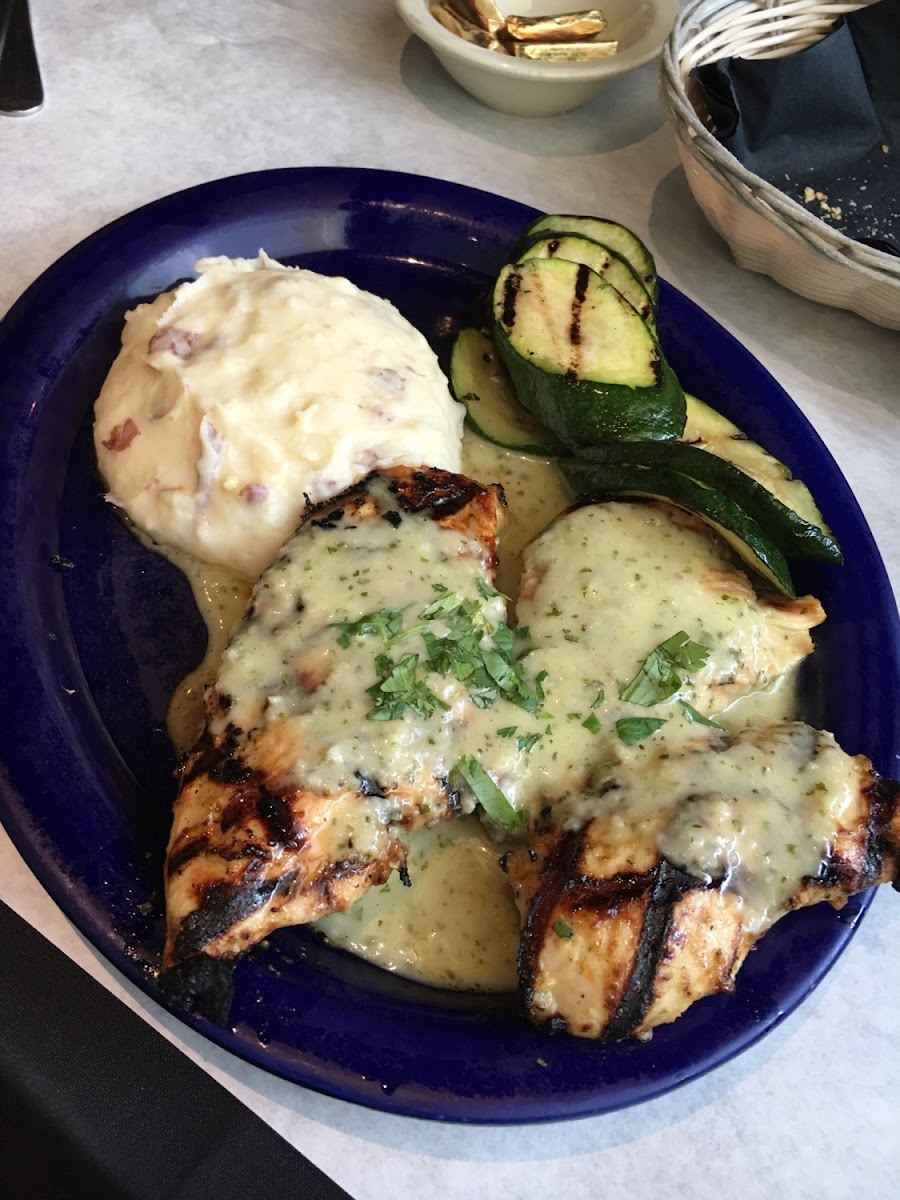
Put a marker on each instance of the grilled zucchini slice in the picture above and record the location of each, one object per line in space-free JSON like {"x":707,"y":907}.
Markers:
{"x":610,"y":233}
{"x":606,"y":262}
{"x":787,"y":529}
{"x":714,"y":433}
{"x":580,"y":358}
{"x":480,"y":381}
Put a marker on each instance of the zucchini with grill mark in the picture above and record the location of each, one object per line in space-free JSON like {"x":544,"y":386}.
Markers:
{"x":605,"y":261}
{"x":610,"y":233}
{"x":580,"y":358}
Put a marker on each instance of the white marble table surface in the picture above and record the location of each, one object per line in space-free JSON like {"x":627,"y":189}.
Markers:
{"x":145,"y":97}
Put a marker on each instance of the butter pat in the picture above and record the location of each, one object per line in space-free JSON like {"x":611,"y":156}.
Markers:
{"x":565,"y":51}
{"x":569,"y":27}
{"x":487,"y":14}
{"x":448,"y":16}
{"x":564,"y":37}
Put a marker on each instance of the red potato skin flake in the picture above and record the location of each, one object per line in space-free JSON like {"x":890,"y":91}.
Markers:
{"x":177,"y":341}
{"x":122,"y":436}
{"x":254,"y":493}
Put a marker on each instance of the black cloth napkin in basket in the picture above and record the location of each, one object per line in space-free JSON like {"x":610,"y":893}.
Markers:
{"x":96,"y":1105}
{"x":822,"y":125}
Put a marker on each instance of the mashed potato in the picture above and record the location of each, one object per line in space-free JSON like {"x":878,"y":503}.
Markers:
{"x":237,"y":396}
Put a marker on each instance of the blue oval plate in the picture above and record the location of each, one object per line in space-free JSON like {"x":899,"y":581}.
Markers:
{"x":91,"y":654}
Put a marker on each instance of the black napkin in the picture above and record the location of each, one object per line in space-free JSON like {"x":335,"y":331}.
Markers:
{"x":94,"y":1103}
{"x":823,"y":125}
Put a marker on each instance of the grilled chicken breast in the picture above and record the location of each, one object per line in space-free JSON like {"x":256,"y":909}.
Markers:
{"x":681,"y":861}
{"x":606,"y":583}
{"x":326,"y":735}
{"x":654,"y":865}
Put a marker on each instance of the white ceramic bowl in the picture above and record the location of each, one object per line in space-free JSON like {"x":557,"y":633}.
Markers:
{"x":543,"y":89}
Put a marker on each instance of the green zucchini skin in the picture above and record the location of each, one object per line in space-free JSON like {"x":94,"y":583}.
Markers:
{"x":602,"y":259}
{"x":789,"y":531}
{"x":479,"y":380}
{"x":578,"y":386}
{"x":600,"y":229}
{"x":746,"y":537}
{"x":717,"y":435}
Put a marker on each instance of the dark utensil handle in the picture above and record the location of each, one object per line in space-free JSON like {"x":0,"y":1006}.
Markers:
{"x":21,"y":89}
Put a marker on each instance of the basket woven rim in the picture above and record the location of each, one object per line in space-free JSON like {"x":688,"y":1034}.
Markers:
{"x":809,"y":22}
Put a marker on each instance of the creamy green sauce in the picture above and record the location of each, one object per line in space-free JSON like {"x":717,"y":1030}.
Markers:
{"x":535,"y":493}
{"x":305,"y":662}
{"x":222,"y":597}
{"x":755,"y":815}
{"x":599,"y":590}
{"x":467,"y":939}
{"x":455,"y":926}
{"x":416,"y":931}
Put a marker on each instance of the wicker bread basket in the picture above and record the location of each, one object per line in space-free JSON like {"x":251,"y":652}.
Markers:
{"x":766,"y":230}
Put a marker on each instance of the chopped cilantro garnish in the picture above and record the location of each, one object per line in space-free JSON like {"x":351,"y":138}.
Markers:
{"x":528,"y":741}
{"x":600,"y":697}
{"x":488,"y":592}
{"x":504,"y":638}
{"x":685,"y":653}
{"x":658,"y":678}
{"x":405,"y":634}
{"x":632,"y":730}
{"x":592,"y":725}
{"x":485,"y":657}
{"x":507,"y":731}
{"x":478,"y":654}
{"x":446,"y":606}
{"x":691,"y":714}
{"x":385,"y":624}
{"x":562,"y":928}
{"x":488,"y":795}
{"x":500,"y":670}
{"x":538,"y":693}
{"x":400,"y":688}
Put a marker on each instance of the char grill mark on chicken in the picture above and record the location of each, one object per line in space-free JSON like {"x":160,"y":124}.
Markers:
{"x":612,"y":955}
{"x":253,"y":844}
